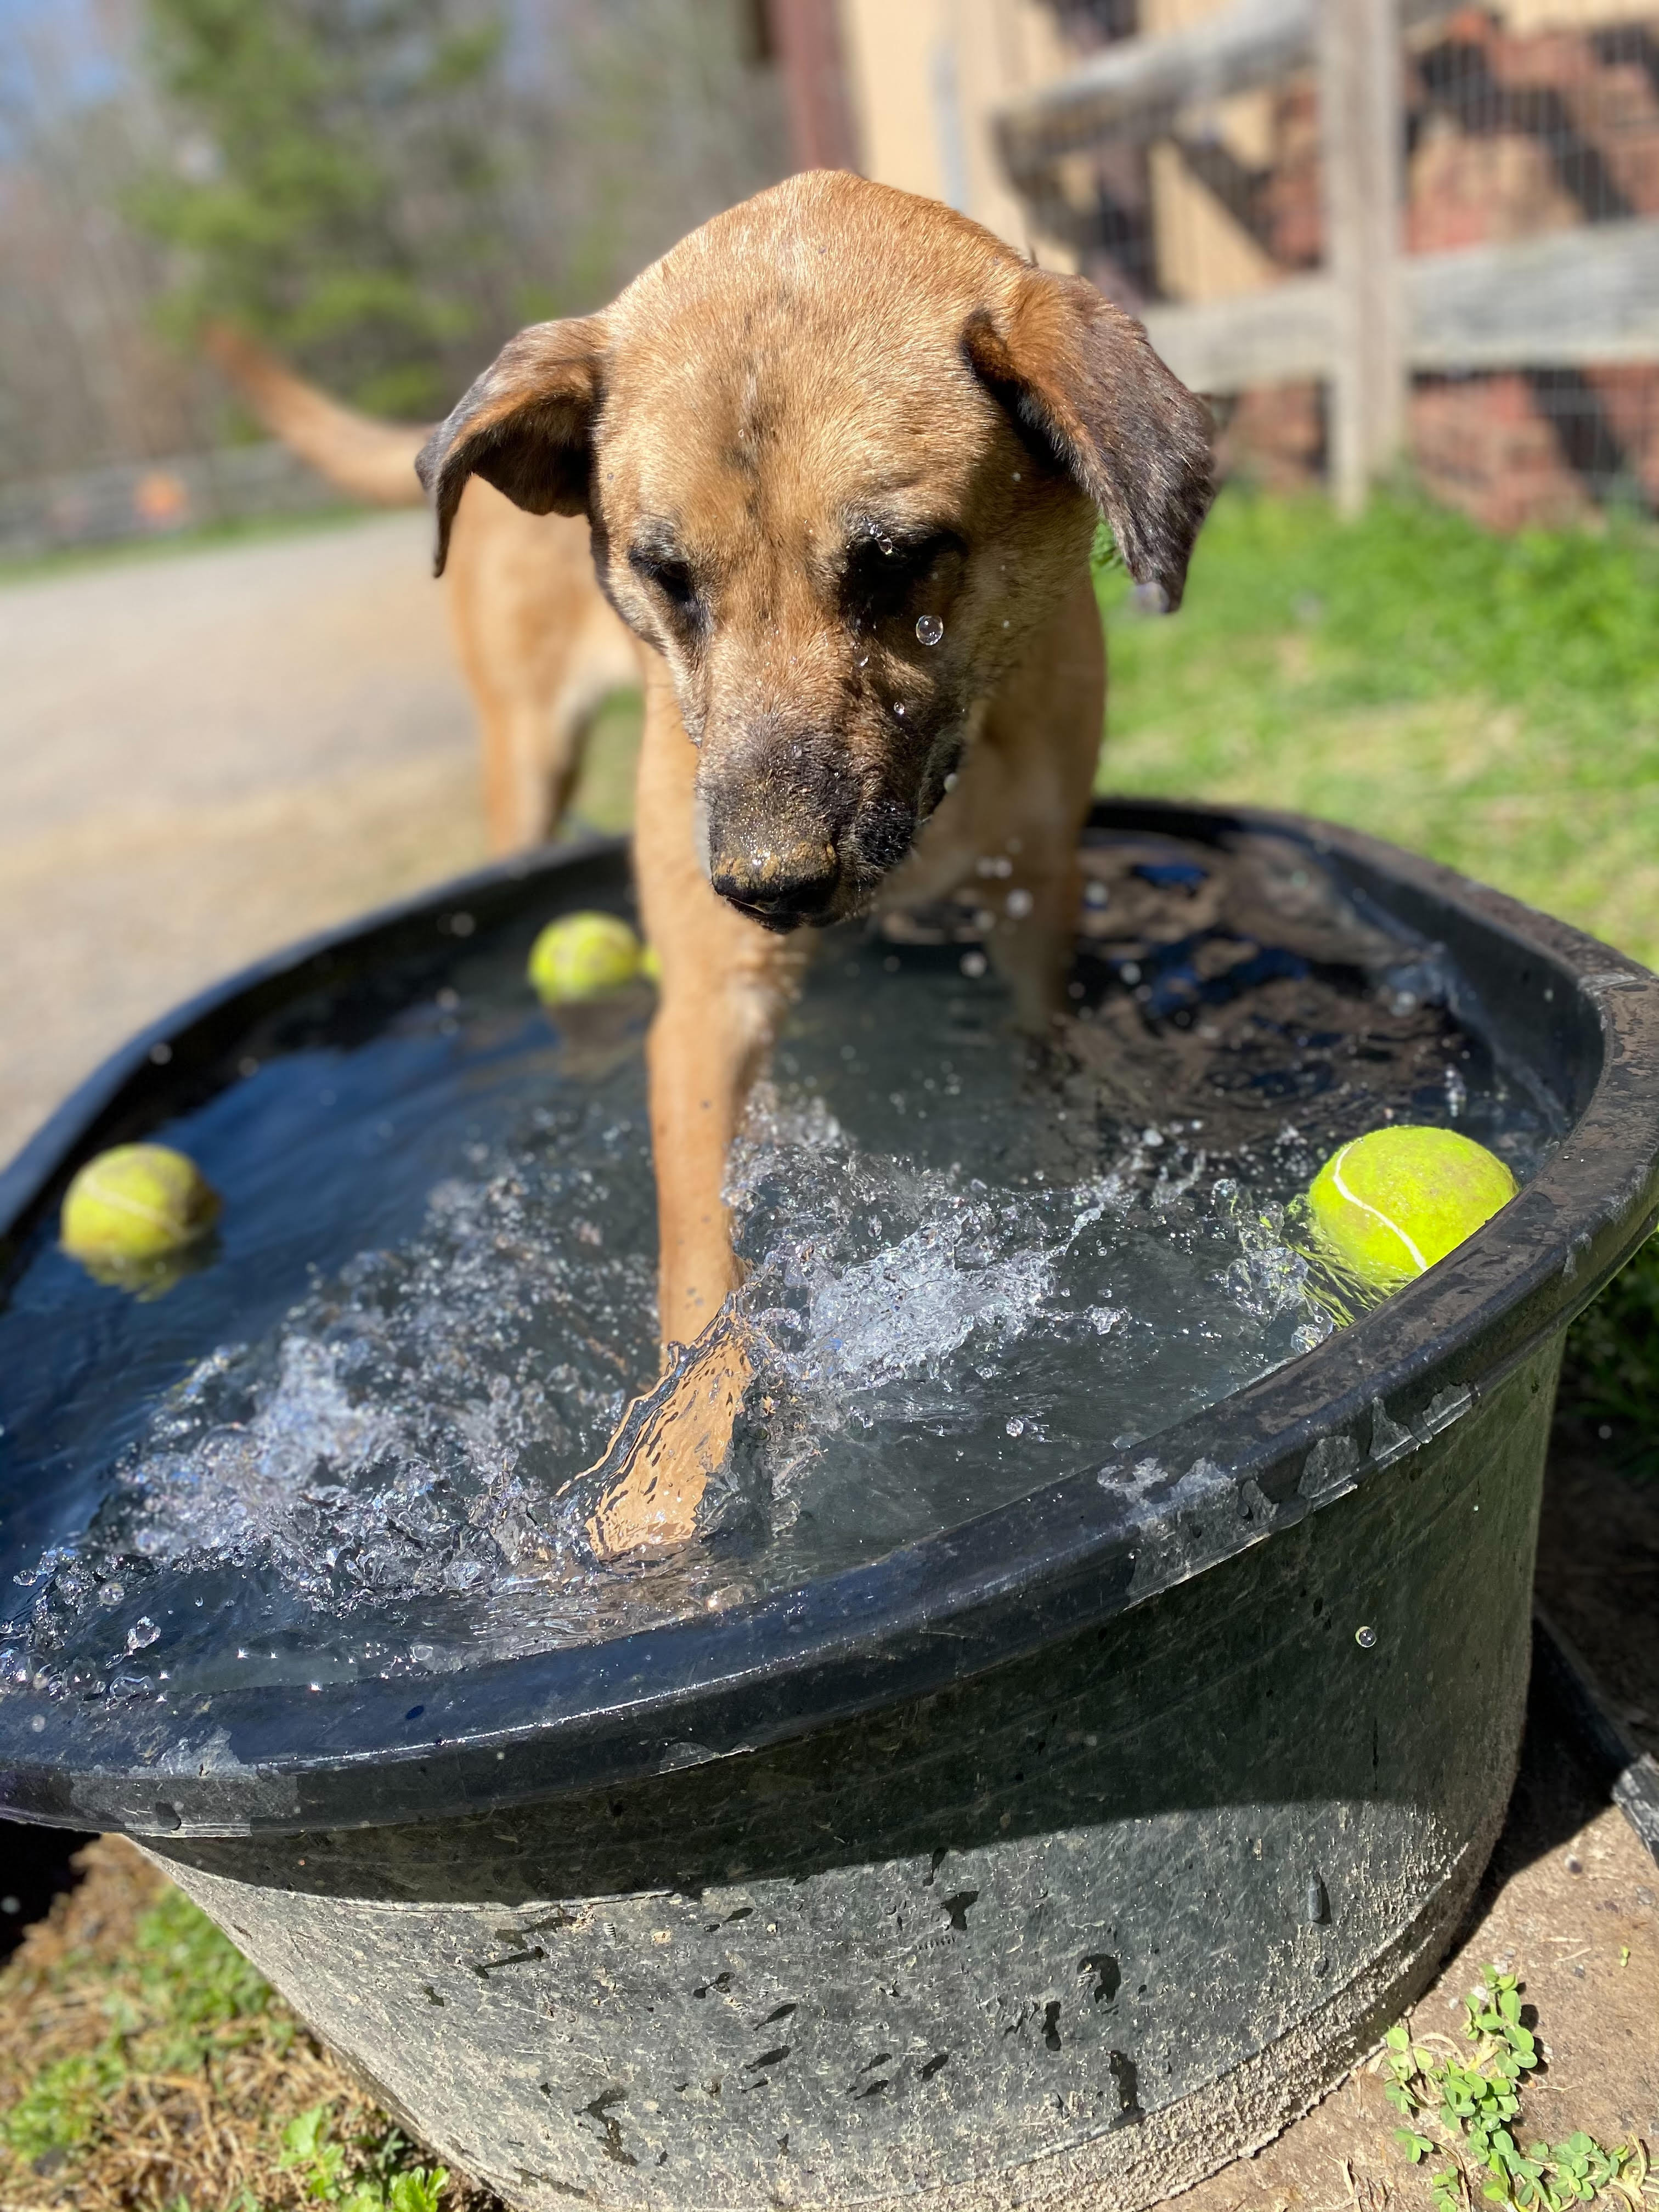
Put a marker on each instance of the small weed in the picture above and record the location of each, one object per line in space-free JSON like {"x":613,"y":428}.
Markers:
{"x":1465,"y":2105}
{"x":366,"y":2173}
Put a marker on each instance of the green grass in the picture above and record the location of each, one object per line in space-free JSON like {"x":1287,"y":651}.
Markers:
{"x":1492,"y":701}
{"x":176,"y":2023}
{"x":187,"y":1996}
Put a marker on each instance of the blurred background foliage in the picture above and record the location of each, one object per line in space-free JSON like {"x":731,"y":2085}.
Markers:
{"x":383,"y":188}
{"x":340,"y":189}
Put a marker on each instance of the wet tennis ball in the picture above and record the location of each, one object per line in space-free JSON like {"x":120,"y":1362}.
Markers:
{"x":1391,"y":1204}
{"x":134,"y":1207}
{"x":582,"y":956}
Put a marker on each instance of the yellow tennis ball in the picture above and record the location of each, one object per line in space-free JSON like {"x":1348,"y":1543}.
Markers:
{"x":1391,"y":1204}
{"x":582,"y":956}
{"x":134,"y":1205}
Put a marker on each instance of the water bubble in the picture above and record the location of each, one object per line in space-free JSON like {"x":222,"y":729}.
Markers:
{"x":929,"y":630}
{"x":973,"y":964}
{"x":1365,"y":1637}
{"x":1019,"y":904}
{"x":142,"y":1634}
{"x":1014,"y":1425}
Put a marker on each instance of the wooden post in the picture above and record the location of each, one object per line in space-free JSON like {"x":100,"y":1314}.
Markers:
{"x":1361,"y":123}
{"x":807,"y":36}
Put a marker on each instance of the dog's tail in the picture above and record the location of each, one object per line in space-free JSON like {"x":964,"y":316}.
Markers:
{"x":372,"y":461}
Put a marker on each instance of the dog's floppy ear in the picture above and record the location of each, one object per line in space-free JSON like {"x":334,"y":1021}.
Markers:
{"x":1080,"y":377}
{"x":524,"y":427}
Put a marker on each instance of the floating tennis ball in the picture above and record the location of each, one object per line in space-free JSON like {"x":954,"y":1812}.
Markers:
{"x":582,"y":956}
{"x":1391,"y":1204}
{"x":134,"y":1208}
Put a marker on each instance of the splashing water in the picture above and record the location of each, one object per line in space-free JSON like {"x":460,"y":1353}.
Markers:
{"x":970,"y":1272}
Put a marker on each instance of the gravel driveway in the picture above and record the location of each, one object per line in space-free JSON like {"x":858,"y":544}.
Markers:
{"x":204,"y":755}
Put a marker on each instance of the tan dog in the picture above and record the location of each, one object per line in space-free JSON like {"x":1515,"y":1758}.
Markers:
{"x":539,"y":645}
{"x":841,"y":453}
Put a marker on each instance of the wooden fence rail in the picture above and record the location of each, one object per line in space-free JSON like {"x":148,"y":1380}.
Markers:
{"x":1373,"y":314}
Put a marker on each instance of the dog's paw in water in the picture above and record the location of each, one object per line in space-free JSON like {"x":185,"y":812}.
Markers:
{"x":652,"y":1476}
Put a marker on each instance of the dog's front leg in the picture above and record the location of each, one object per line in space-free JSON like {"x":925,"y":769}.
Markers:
{"x":724,"y":981}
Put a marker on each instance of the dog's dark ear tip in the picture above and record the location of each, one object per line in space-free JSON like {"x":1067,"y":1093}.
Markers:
{"x":429,"y":458}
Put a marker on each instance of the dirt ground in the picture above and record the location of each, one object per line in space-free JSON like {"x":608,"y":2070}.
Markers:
{"x":204,"y":755}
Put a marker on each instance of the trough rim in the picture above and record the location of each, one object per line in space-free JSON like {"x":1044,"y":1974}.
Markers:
{"x":1066,"y":1557}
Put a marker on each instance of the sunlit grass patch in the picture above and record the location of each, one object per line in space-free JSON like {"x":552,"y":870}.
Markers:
{"x":145,"y":2063}
{"x":1494,"y":702}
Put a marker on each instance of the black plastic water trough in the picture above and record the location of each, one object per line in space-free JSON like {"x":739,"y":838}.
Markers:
{"x":1059,"y":1857}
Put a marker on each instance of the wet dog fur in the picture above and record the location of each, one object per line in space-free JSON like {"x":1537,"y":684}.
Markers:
{"x":831,"y":414}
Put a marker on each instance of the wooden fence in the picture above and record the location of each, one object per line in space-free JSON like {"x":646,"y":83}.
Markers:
{"x":1373,"y":315}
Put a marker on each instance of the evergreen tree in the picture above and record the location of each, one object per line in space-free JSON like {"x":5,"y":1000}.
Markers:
{"x":335,"y":186}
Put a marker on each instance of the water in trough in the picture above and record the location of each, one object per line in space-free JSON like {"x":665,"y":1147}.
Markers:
{"x":345,"y":1444}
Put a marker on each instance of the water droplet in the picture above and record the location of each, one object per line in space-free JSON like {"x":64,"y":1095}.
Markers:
{"x":973,"y":964}
{"x":929,"y":630}
{"x":142,"y":1634}
{"x":951,"y":780}
{"x":1020,"y":905}
{"x":898,"y":708}
{"x":1365,"y":1637}
{"x":1015,"y":1426}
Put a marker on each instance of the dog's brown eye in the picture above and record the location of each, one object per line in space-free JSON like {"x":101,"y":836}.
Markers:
{"x":884,"y":574}
{"x":672,"y":578}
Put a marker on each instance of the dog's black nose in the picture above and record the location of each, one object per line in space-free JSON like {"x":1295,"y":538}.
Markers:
{"x":779,"y":887}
